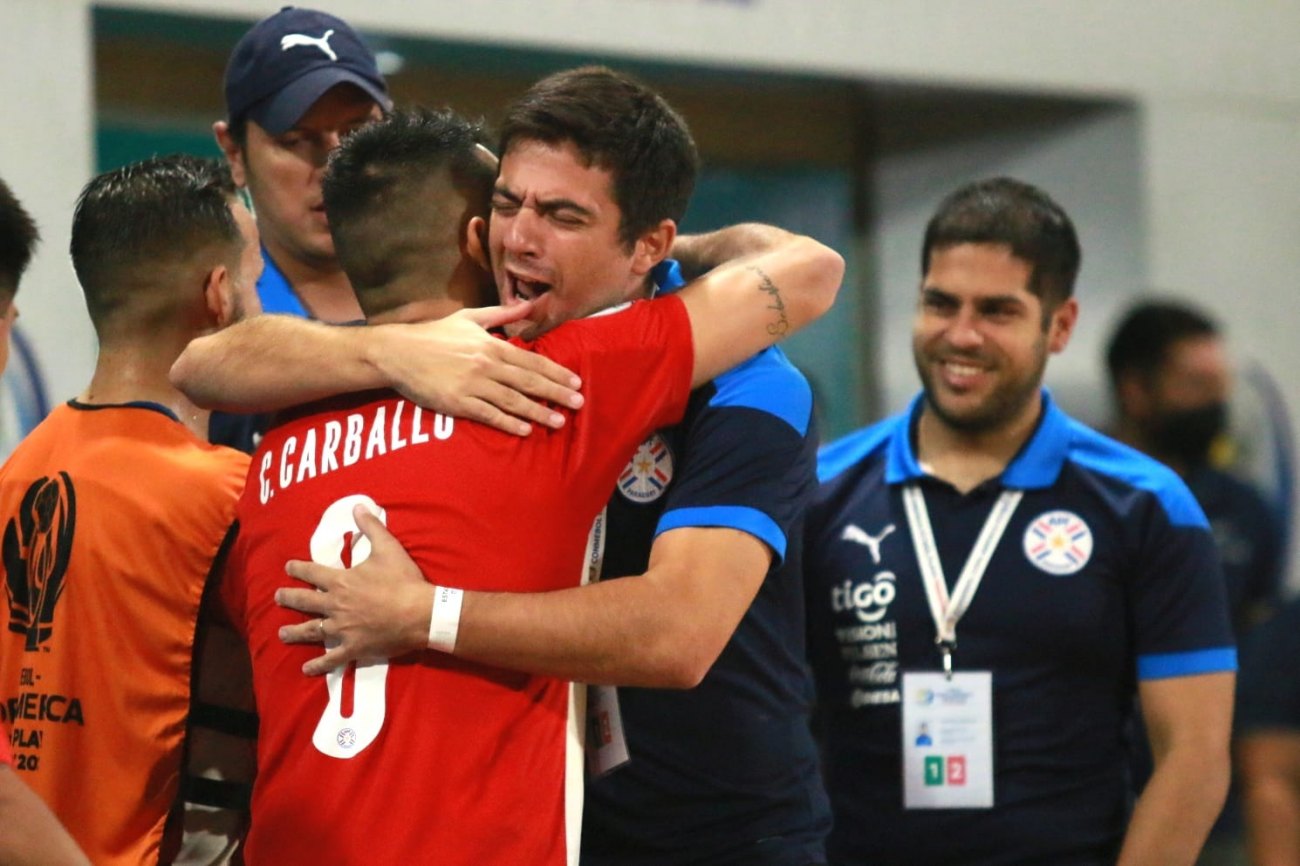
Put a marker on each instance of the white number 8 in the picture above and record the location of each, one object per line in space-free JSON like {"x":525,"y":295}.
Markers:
{"x":337,"y":735}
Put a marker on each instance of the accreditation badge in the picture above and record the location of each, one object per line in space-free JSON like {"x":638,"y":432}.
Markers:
{"x":606,"y":742}
{"x":948,"y":740}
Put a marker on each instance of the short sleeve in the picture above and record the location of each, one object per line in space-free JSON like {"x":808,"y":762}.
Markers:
{"x":1179,"y":600}
{"x":749,"y":454}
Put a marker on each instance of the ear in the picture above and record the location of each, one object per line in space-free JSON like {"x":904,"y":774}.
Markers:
{"x":1062,"y":325}
{"x":653,"y":247}
{"x":476,"y":242}
{"x":233,"y":152}
{"x":219,"y":297}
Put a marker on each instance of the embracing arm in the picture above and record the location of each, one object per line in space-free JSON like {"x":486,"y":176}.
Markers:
{"x":32,"y":836}
{"x":698,"y":254}
{"x":1189,"y":722}
{"x":269,"y":362}
{"x":663,"y":628}
{"x":746,"y":305}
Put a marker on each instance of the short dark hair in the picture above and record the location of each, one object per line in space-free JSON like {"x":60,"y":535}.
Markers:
{"x":1143,"y":338}
{"x":145,"y":216}
{"x":380,"y":215}
{"x":621,"y":126}
{"x":18,"y":238}
{"x":1015,"y":214}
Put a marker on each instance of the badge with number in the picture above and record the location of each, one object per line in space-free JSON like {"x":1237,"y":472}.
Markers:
{"x":948,"y":740}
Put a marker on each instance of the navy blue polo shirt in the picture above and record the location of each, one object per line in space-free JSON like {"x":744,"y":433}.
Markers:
{"x":725,"y":773}
{"x":1107,"y":574}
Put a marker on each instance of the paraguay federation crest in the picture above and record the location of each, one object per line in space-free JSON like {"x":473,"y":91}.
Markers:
{"x":1058,"y":542}
{"x":649,"y":472}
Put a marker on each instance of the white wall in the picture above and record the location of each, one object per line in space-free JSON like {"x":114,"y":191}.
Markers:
{"x":45,"y":158}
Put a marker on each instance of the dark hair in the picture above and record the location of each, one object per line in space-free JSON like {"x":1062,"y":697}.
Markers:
{"x":1012,"y":213}
{"x":145,"y":216}
{"x":381,"y":215}
{"x":621,"y":126}
{"x":1141,"y":341}
{"x":18,"y":237}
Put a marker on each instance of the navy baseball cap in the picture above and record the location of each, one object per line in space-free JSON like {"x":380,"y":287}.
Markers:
{"x":288,"y":60}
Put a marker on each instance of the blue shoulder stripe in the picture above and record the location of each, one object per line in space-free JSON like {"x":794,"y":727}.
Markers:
{"x":1160,"y":666}
{"x":1091,"y":450}
{"x":750,"y":520}
{"x":770,"y":383}
{"x":835,"y":457}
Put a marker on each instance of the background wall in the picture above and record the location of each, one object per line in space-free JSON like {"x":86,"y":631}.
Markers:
{"x":1168,"y":128}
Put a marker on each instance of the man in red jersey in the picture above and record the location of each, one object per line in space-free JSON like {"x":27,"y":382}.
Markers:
{"x":426,"y":757}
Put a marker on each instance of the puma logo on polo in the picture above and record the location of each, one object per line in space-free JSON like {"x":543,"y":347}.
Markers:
{"x":293,"y":40}
{"x":857,"y":534}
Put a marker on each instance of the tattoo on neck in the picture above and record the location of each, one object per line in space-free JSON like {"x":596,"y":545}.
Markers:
{"x":781,"y":326}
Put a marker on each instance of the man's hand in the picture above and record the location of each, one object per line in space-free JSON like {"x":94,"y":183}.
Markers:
{"x":454,"y":366}
{"x":377,"y":609}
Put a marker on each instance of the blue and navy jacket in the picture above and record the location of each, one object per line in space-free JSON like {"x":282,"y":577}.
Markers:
{"x":726,"y":772}
{"x":1107,"y":575}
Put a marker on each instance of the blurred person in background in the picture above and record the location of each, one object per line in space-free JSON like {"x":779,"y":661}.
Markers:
{"x":1171,"y":384}
{"x":30,"y":835}
{"x":121,"y":684}
{"x":987,"y":570}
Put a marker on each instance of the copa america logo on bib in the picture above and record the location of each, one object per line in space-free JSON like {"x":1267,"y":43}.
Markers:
{"x":647,"y":475}
{"x":1058,"y":542}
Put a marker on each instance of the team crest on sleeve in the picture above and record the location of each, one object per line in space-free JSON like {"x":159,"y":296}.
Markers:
{"x":649,"y":472}
{"x":1058,"y":542}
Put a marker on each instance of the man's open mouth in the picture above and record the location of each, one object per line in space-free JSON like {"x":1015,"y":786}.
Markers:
{"x":524,"y":288}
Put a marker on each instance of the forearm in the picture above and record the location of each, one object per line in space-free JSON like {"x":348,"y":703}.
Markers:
{"x":270,"y":362}
{"x":700,"y":253}
{"x":31,"y":835}
{"x":1176,"y":811}
{"x":620,"y":632}
{"x":1272,"y":806}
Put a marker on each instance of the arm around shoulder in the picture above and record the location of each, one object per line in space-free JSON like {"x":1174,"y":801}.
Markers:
{"x":743,"y":307}
{"x":32,"y":836}
{"x":269,"y":362}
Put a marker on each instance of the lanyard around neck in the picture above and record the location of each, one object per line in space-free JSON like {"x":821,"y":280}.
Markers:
{"x":946,"y":609}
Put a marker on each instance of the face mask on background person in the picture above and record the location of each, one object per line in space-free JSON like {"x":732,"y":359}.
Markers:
{"x":1186,"y":435}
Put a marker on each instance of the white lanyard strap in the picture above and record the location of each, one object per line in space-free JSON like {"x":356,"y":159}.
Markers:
{"x":947,"y":610}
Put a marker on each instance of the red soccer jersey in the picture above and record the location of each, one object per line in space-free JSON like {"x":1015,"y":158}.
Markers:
{"x":6,"y":757}
{"x":427,"y":758}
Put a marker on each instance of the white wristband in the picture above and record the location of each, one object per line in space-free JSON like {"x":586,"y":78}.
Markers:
{"x":444,"y":622}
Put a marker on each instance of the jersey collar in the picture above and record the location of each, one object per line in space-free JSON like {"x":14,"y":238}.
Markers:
{"x":1036,"y":466}
{"x":276,"y":294}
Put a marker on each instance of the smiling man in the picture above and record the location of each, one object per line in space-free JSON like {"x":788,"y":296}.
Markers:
{"x":987,"y":567}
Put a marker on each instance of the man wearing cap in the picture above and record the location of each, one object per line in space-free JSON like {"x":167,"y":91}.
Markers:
{"x":297,"y":82}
